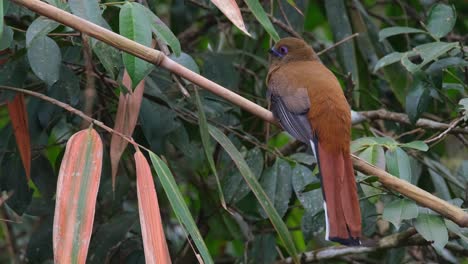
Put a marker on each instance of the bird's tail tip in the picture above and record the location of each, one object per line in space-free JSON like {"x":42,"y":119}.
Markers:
{"x":350,"y":241}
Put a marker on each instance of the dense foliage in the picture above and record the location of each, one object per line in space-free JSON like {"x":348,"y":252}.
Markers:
{"x":409,"y":58}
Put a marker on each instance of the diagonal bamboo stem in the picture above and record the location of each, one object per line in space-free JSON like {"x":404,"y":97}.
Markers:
{"x":158,"y":58}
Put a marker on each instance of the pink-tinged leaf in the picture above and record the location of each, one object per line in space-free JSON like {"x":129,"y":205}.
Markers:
{"x":154,"y":241}
{"x":231,"y":10}
{"x":19,"y":120}
{"x":77,"y":189}
{"x":125,"y":121}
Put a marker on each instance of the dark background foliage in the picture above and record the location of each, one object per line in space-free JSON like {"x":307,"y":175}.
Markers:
{"x":420,"y":81}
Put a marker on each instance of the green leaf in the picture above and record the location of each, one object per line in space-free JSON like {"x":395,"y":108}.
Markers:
{"x":419,"y":145}
{"x":263,"y":250}
{"x":392,"y":31}
{"x":398,"y":210}
{"x":187,"y":61}
{"x":157,"y":122}
{"x":206,"y":141}
{"x":162,"y":31}
{"x":178,"y":204}
{"x":441,"y":20}
{"x":312,"y":223}
{"x":110,"y":235}
{"x":276,"y":181}
{"x":256,"y":188}
{"x":6,"y":37}
{"x":398,"y":163}
{"x":339,"y":22}
{"x":387,"y":142}
{"x":234,"y":186}
{"x":428,"y":52}
{"x":40,"y":28}
{"x":59,"y":3}
{"x":109,"y":57}
{"x":440,"y":185}
{"x":446,"y":63}
{"x":374,"y":155}
{"x":1,"y":18}
{"x":388,"y":59}
{"x":418,"y":98}
{"x":461,"y":232}
{"x":303,"y":158}
{"x":464,"y":107}
{"x":362,"y":143}
{"x":397,"y":77}
{"x":88,"y":10}
{"x":432,"y":228}
{"x":45,"y":59}
{"x":432,"y":51}
{"x":262,"y":17}
{"x":302,"y":177}
{"x":133,"y":25}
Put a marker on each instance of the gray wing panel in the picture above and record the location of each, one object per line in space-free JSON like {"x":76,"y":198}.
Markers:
{"x":296,"y":124}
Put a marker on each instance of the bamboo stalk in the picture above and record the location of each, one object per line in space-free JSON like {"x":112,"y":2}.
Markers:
{"x":158,"y":58}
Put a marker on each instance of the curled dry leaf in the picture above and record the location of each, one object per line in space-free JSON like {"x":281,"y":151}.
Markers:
{"x":19,"y":120}
{"x":154,"y":241}
{"x":77,"y":189}
{"x":231,"y":10}
{"x":125,"y":121}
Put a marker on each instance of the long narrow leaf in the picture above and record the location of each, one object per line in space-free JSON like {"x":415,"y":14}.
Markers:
{"x":256,"y":188}
{"x":1,"y":16}
{"x":262,"y":17}
{"x":341,"y":28}
{"x":125,"y":121}
{"x":205,"y":136}
{"x":231,"y":10}
{"x":179,"y":206}
{"x":77,"y":188}
{"x":19,"y":120}
{"x":154,"y":241}
{"x":163,"y":32}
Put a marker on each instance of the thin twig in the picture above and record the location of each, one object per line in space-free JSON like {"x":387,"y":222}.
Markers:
{"x":403,"y":239}
{"x":284,"y":14}
{"x":71,"y":34}
{"x":338,"y":43}
{"x":445,"y":132}
{"x":8,"y":235}
{"x":75,"y":111}
{"x":359,"y":117}
{"x":407,"y":133}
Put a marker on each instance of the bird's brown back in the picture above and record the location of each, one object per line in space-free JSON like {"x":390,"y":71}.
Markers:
{"x":329,"y":112}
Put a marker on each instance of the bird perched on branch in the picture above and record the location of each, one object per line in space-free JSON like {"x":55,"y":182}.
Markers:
{"x":309,"y":103}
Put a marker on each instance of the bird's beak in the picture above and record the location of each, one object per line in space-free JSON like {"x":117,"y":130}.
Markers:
{"x":275,"y":53}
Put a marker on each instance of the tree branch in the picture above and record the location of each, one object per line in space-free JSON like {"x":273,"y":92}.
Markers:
{"x":156,"y":57}
{"x":403,"y":239}
{"x":359,"y":117}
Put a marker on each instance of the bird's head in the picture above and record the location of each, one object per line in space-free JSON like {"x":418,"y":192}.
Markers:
{"x":290,"y":50}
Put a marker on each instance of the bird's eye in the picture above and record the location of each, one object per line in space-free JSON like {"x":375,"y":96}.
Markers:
{"x":283,"y":50}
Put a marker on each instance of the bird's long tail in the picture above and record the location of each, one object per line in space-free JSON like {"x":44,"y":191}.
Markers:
{"x":342,"y":210}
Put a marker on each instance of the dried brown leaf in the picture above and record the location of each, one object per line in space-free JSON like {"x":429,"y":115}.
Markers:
{"x":125,"y":121}
{"x":19,"y":120}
